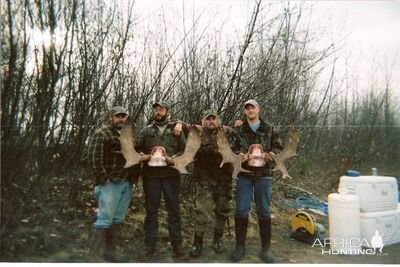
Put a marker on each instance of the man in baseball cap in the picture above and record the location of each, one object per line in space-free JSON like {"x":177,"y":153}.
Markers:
{"x":161,"y":181}
{"x":257,"y":183}
{"x":213,"y":184}
{"x":118,"y":110}
{"x":251,"y":102}
{"x":162,"y":104}
{"x":112,"y":187}
{"x":212,"y":122}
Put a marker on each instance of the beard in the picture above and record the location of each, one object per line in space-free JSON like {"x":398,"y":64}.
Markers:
{"x":160,"y":118}
{"x":118,"y":124}
{"x":211,"y":126}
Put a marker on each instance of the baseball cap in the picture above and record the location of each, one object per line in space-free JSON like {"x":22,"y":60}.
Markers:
{"x":162,"y":104}
{"x":210,"y":112}
{"x":251,"y":102}
{"x":118,"y":110}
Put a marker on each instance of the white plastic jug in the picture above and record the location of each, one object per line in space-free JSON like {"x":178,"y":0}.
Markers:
{"x":344,"y":223}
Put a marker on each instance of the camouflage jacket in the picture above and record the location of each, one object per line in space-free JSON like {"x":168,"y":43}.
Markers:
{"x":151,"y":136}
{"x":105,"y":157}
{"x":208,"y":160}
{"x":267,"y":136}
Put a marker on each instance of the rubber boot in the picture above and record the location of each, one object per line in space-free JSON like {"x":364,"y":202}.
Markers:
{"x":265,"y":235}
{"x":148,"y":254}
{"x":178,"y":251}
{"x":218,"y":244}
{"x":197,"y":245}
{"x":96,"y":243}
{"x":112,"y":237}
{"x":240,"y":232}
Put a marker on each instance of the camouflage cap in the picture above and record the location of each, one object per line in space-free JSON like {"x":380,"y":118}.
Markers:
{"x":251,"y":102}
{"x":162,"y":104}
{"x":210,"y":112}
{"x":118,"y":110}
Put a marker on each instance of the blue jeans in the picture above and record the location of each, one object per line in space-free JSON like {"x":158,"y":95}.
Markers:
{"x":113,"y":202}
{"x":248,"y":187}
{"x":169,"y":187}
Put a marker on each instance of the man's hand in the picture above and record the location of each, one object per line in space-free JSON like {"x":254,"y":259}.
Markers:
{"x":268,"y":157}
{"x":137,"y":191}
{"x":238,"y":123}
{"x":102,"y":181}
{"x":245,"y":157}
{"x":178,"y":128}
{"x":169,"y":160}
{"x":144,"y":157}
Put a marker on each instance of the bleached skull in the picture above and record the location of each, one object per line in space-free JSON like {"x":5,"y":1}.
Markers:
{"x":157,"y":157}
{"x":256,"y":155}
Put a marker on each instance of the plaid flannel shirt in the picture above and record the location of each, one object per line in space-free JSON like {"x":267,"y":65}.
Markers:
{"x":105,"y":156}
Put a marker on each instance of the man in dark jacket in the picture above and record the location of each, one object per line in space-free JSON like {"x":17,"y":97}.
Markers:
{"x":213,"y":184}
{"x":113,"y":188}
{"x":257,"y":182}
{"x":161,"y":179}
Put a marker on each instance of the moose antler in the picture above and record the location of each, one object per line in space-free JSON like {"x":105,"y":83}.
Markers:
{"x":228,"y":156}
{"x":193,"y":143}
{"x":127,"y":147}
{"x":289,"y":151}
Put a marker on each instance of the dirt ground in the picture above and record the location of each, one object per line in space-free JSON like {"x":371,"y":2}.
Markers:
{"x":64,"y":239}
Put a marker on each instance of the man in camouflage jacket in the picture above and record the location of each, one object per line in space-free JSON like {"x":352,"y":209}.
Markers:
{"x":213,"y":184}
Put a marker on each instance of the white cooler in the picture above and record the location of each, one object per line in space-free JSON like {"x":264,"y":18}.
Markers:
{"x":387,"y":223}
{"x":376,"y":193}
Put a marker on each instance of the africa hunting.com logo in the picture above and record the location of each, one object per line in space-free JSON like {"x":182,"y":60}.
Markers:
{"x":352,"y":246}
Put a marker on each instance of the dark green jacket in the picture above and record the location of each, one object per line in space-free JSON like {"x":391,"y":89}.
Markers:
{"x":151,"y":136}
{"x":267,"y":136}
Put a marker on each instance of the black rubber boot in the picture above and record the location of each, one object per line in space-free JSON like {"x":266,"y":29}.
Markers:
{"x":147,"y":254}
{"x":112,"y":237}
{"x":240,"y":232}
{"x":197,"y":245}
{"x":265,"y":234}
{"x":96,"y":243}
{"x":178,"y":251}
{"x":218,"y":244}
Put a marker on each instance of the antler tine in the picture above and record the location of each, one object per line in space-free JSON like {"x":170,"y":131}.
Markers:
{"x":193,"y":143}
{"x":227,"y":154}
{"x":289,"y":151}
{"x":127,"y":147}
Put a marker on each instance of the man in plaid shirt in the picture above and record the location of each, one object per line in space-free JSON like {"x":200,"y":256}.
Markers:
{"x":113,"y":189}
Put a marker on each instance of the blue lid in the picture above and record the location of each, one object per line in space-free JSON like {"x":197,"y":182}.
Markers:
{"x":353,"y":173}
